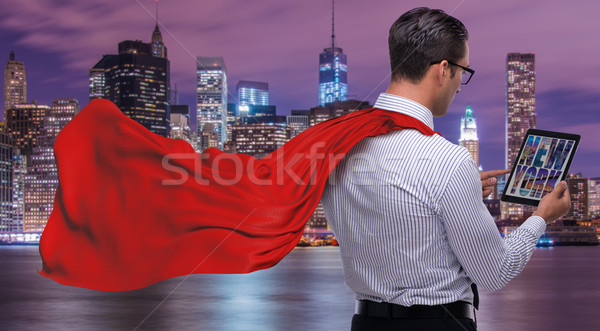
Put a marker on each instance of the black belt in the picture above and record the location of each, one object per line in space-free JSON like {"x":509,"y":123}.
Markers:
{"x":459,"y":309}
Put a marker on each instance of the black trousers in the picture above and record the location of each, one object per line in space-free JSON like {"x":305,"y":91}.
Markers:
{"x":365,"y":323}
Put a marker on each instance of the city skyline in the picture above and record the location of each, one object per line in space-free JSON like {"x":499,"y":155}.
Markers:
{"x":278,"y":43}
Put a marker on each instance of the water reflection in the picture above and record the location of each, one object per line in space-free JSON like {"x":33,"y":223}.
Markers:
{"x":559,"y":290}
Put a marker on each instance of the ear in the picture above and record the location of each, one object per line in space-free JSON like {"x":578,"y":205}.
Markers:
{"x":443,"y":71}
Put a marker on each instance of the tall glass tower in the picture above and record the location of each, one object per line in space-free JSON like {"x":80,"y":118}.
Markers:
{"x":211,"y":101}
{"x":333,"y":71}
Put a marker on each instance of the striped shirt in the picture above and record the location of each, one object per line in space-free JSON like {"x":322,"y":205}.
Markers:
{"x":408,"y":213}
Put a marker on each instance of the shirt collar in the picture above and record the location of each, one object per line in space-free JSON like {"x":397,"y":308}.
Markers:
{"x":405,"y":106}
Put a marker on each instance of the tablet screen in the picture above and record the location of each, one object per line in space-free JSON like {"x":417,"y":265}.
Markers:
{"x":542,"y":162}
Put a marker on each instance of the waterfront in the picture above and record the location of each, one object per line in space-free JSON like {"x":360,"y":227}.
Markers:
{"x":559,"y":290}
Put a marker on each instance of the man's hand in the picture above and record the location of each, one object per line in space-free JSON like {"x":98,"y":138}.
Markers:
{"x":554,"y":204}
{"x":488,"y":180}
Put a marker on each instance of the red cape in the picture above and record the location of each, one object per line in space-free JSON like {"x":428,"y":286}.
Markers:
{"x":133,"y":208}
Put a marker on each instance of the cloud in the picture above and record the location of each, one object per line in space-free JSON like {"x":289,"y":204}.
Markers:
{"x":279,"y":42}
{"x":562,"y":107}
{"x":590,"y":136}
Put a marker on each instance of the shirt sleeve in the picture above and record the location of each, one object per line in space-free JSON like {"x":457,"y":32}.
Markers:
{"x":488,"y":259}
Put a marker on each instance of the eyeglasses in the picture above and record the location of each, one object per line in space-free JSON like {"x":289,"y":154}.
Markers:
{"x":464,"y":80}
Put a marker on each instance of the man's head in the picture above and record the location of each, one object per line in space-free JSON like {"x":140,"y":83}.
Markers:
{"x":427,"y":48}
{"x":422,"y":36}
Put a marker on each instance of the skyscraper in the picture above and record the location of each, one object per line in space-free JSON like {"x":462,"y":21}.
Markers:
{"x":41,"y":179}
{"x":180,"y":125}
{"x":211,"y":99}
{"x":19,"y":166}
{"x":520,"y":101}
{"x":520,"y":114}
{"x":15,"y":83}
{"x":468,"y":134}
{"x":6,"y":183}
{"x":253,"y":99}
{"x":298,"y":121}
{"x":333,"y":71}
{"x":594,"y":198}
{"x":23,"y":123}
{"x":137,"y":81}
{"x":579,"y":192}
{"x":252,"y":93}
{"x":158,"y":47}
{"x":259,"y":139}
{"x":336,"y":109}
{"x":12,"y":178}
{"x":97,"y":81}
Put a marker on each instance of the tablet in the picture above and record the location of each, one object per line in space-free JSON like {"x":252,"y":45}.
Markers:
{"x":542,"y":162}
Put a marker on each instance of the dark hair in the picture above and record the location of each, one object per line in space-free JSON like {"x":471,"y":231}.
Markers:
{"x":423,"y":35}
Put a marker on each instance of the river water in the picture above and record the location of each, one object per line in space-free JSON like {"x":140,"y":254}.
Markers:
{"x":558,"y":290}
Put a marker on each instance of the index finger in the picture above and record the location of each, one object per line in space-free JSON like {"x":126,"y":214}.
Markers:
{"x":493,"y":173}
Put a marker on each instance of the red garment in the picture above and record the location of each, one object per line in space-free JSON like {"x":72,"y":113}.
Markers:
{"x":116,"y":225}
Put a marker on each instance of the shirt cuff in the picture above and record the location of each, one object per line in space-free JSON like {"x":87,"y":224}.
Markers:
{"x":535,"y":225}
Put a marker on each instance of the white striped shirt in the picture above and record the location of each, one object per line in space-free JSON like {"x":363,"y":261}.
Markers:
{"x":408,"y":213}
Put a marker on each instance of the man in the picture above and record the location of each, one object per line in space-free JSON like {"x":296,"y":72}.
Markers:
{"x":407,"y":208}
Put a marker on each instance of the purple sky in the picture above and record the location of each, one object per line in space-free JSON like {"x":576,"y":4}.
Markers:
{"x":279,"y":42}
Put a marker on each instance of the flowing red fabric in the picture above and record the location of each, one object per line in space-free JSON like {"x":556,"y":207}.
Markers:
{"x":133,"y":208}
